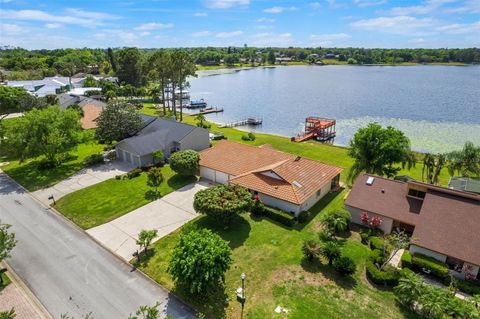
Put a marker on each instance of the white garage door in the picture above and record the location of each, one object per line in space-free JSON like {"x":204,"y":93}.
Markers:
{"x":221,"y":178}
{"x":207,"y":173}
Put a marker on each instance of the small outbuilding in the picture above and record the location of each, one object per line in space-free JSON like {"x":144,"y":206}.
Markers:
{"x":163,"y":135}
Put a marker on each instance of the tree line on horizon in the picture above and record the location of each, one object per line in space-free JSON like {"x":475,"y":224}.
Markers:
{"x":25,"y":64}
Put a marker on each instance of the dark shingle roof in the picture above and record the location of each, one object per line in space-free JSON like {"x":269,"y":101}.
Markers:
{"x":465,"y":184}
{"x":156,"y":135}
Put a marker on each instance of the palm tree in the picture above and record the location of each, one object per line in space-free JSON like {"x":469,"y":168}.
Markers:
{"x":330,"y":251}
{"x":465,"y":162}
{"x":184,"y":67}
{"x":310,"y":249}
{"x":334,"y":224}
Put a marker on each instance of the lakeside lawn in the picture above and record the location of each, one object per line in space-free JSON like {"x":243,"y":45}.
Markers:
{"x":105,"y":201}
{"x":330,"y":154}
{"x":276,"y":275}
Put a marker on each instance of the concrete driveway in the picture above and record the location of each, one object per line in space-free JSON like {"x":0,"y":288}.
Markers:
{"x":83,"y":178}
{"x":165,"y":215}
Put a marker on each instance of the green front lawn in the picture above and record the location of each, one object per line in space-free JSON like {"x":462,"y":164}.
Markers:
{"x":270,"y":255}
{"x":105,"y":201}
{"x":32,"y":178}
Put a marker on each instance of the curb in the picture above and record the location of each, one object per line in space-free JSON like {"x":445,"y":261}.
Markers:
{"x":78,"y":228}
{"x":27,"y":293}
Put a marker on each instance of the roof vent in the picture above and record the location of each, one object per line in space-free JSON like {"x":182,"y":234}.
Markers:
{"x":297,"y":184}
{"x":297,"y":158}
{"x":383,"y":191}
{"x":370,"y":180}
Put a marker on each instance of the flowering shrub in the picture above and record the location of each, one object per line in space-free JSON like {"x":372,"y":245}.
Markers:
{"x":375,"y":222}
{"x":364,"y":217}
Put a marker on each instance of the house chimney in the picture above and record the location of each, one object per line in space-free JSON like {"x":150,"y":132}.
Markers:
{"x":297,"y":158}
{"x":383,"y":191}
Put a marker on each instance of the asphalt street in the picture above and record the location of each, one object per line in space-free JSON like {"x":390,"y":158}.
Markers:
{"x":68,"y":271}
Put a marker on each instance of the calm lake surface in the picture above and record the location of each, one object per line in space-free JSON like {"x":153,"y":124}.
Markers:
{"x":437,"y":107}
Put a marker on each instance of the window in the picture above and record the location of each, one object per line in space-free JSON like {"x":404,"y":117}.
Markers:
{"x":319,"y":192}
{"x":416,"y":193}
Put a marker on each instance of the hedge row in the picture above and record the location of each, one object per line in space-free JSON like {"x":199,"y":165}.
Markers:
{"x":380,"y":277}
{"x":279,"y":216}
{"x":406,"y":259}
{"x":437,"y":268}
{"x":470,"y":287}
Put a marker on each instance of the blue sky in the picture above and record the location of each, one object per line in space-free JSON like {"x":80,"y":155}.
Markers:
{"x":35,"y":24}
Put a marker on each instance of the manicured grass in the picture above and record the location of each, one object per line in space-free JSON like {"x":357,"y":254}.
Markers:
{"x":105,"y":201}
{"x":276,"y":275}
{"x":32,"y":178}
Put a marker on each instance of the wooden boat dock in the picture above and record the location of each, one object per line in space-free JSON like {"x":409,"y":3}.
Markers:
{"x":318,"y":128}
{"x":209,"y":110}
{"x":248,"y":121}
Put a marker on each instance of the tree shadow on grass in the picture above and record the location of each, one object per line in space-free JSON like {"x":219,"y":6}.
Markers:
{"x":406,"y":311}
{"x":318,"y":208}
{"x":144,"y":259}
{"x":177,"y":181}
{"x":213,"y":303}
{"x":315,"y":266}
{"x":152,"y":195}
{"x":235,"y":233}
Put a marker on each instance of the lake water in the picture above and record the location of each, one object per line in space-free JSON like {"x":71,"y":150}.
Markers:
{"x":437,"y":107}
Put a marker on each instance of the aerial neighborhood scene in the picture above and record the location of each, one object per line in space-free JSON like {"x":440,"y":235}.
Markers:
{"x":240,"y":159}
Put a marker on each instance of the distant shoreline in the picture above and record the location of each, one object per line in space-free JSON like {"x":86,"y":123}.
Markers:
{"x":222,"y":69}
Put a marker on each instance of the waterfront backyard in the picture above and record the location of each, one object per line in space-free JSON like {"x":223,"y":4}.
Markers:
{"x":276,"y":275}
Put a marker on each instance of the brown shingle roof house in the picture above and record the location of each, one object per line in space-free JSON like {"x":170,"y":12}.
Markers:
{"x":282,"y":180}
{"x":444,"y":223}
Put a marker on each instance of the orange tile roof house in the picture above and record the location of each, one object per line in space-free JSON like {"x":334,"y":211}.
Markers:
{"x":282,"y":180}
{"x":444,"y":223}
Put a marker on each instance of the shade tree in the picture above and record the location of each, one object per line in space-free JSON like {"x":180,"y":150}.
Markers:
{"x":117,"y":121}
{"x":185,"y":162}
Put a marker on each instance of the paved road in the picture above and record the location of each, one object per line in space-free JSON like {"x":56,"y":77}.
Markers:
{"x":68,"y":271}
{"x":165,"y":215}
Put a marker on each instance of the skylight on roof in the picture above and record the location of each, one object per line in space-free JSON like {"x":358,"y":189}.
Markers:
{"x":370,"y":180}
{"x":297,"y":184}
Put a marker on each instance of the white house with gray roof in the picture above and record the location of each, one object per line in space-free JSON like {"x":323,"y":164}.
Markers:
{"x":46,"y":86}
{"x":163,"y":135}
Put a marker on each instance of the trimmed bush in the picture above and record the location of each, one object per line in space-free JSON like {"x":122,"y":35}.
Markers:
{"x":303,"y":217}
{"x":437,"y":268}
{"x":223,"y":202}
{"x":380,"y":277}
{"x":279,"y":216}
{"x":133,"y":173}
{"x":469,"y":287}
{"x":376,"y":242}
{"x":345,"y":266}
{"x":406,"y":259}
{"x":252,"y":136}
{"x":94,"y":159}
{"x":364,"y":236}
{"x":185,"y":162}
{"x":377,"y":256}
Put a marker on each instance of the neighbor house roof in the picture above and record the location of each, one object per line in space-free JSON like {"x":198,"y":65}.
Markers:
{"x":465,"y":184}
{"x":446,"y":221}
{"x":156,"y":135}
{"x":48,"y":85}
{"x":268,"y":171}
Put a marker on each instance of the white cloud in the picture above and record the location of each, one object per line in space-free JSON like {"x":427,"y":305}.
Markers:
{"x":225,"y":4}
{"x":469,"y":6}
{"x":417,"y":41}
{"x":331,"y":36}
{"x":232,"y":34}
{"x":200,"y":14}
{"x":279,"y":9}
{"x":405,"y":25}
{"x":315,"y":5}
{"x":264,"y":27}
{"x":201,"y":34}
{"x":10,"y":29}
{"x":53,"y":25}
{"x":90,"y":14}
{"x":154,"y":26}
{"x":328,"y":39}
{"x":37,"y":15}
{"x":426,"y":7}
{"x":144,"y":33}
{"x":334,"y":4}
{"x":268,"y":39}
{"x":368,"y":3}
{"x":473,"y":28}
{"x":265,"y":20}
